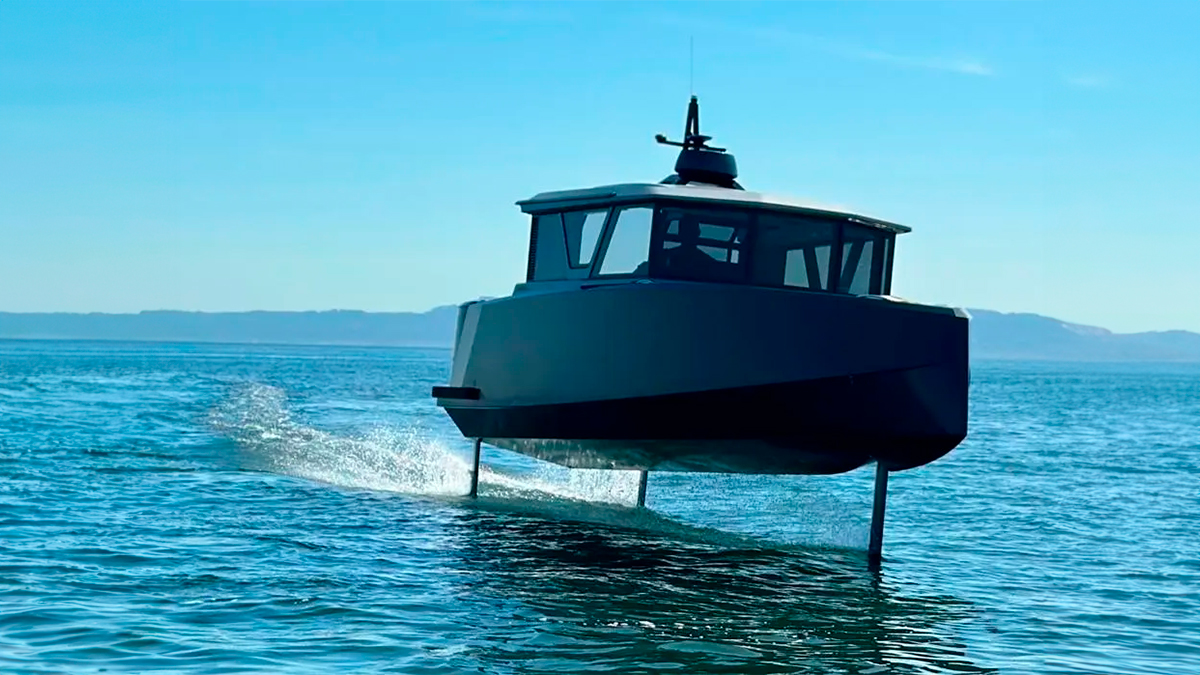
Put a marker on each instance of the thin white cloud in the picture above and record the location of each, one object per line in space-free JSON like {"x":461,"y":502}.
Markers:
{"x":951,"y":65}
{"x":840,"y":48}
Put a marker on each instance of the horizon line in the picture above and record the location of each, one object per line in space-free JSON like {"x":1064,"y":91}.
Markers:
{"x":145,"y":312}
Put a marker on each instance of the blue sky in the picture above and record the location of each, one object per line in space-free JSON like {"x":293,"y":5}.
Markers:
{"x":302,"y":155}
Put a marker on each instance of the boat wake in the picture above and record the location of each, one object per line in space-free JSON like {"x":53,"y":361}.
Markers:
{"x":407,"y":461}
{"x":269,"y":439}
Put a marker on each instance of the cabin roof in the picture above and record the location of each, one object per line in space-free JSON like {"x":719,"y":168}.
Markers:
{"x":634,"y":192}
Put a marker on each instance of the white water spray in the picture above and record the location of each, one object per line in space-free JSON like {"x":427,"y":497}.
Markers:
{"x":390,"y":459}
{"x":394,"y":460}
{"x":409,"y":461}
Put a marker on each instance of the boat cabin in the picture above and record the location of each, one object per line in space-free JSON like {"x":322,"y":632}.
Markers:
{"x":708,"y":233}
{"x":699,"y":224}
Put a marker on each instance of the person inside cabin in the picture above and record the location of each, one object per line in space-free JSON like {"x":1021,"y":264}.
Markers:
{"x":686,"y":259}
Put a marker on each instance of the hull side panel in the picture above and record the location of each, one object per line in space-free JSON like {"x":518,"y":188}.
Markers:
{"x":817,"y":426}
{"x":679,"y":376}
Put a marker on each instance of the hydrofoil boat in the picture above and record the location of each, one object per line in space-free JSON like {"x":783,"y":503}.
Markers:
{"x":693,"y":325}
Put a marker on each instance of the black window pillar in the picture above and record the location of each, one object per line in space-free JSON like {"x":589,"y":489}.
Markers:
{"x":835,"y":260}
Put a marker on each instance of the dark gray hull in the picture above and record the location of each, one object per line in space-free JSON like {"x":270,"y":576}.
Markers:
{"x":675,"y":376}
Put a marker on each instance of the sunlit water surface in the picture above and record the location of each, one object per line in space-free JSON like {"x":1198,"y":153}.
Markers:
{"x":220,"y":509}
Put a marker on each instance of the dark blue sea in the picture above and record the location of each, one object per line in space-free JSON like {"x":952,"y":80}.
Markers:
{"x":227,"y":509}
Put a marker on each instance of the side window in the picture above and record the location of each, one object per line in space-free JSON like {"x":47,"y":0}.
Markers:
{"x":628,"y":249}
{"x":808,"y":267}
{"x":793,"y":251}
{"x":582,"y":230}
{"x":862,"y":253}
{"x":547,"y":255}
{"x":703,"y":245}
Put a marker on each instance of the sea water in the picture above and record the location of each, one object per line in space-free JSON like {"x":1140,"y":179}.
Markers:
{"x":222,"y":509}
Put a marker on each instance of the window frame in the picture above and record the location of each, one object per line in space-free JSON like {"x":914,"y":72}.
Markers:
{"x":531,"y":258}
{"x":745,"y":251}
{"x":835,"y":259}
{"x":833,"y":263}
{"x":879,"y":274}
{"x":610,"y":228}
{"x":608,"y":210}
{"x":886,"y":273}
{"x":882,"y":263}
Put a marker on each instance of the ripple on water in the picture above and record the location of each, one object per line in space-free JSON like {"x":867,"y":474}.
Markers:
{"x":266,"y":509}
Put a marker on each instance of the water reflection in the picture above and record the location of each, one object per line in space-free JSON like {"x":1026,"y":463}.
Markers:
{"x":566,"y":596}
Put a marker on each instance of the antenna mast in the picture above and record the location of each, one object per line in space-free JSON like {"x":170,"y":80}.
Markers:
{"x":699,"y":162}
{"x":692,"y":65}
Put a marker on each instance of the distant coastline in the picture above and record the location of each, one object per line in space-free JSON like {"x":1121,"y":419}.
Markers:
{"x":994,"y":335}
{"x":1024,"y":336}
{"x":434,"y":328}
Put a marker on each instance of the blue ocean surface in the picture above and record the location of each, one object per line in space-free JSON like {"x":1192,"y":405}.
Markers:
{"x":225,"y":509}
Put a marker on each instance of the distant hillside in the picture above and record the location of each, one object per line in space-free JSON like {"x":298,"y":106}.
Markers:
{"x":338,"y":327}
{"x":993,"y":335}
